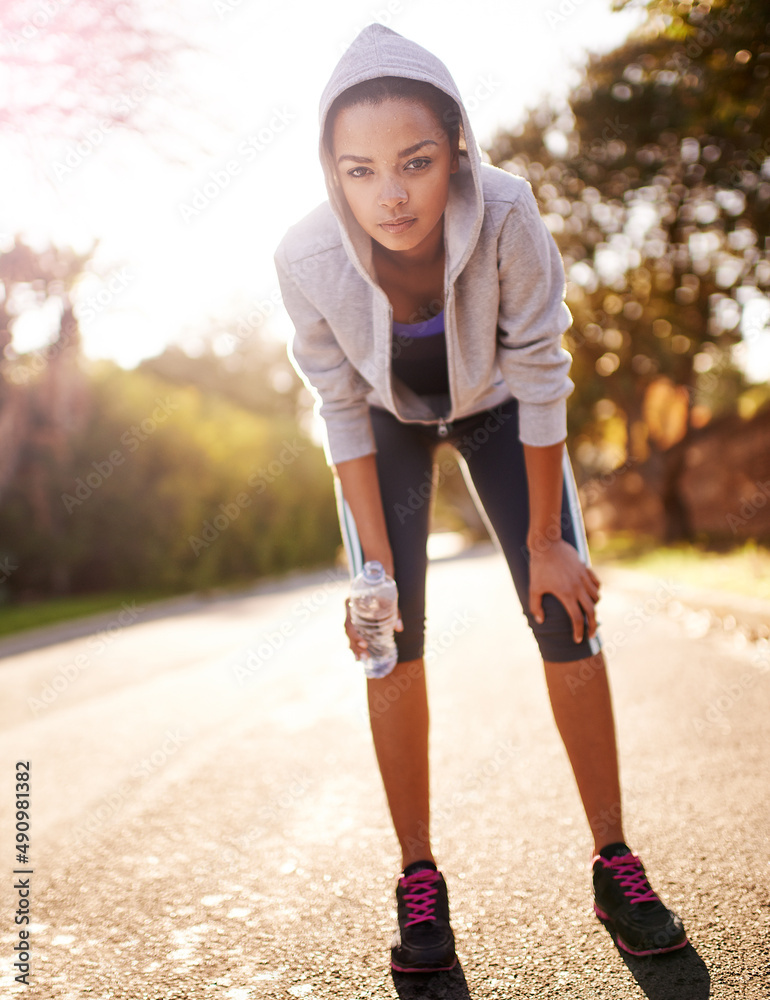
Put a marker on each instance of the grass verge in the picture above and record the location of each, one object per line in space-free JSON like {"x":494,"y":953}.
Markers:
{"x":744,"y":570}
{"x":33,"y":614}
{"x":16,"y":617}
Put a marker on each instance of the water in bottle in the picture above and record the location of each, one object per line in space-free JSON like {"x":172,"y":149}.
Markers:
{"x":374,"y":611}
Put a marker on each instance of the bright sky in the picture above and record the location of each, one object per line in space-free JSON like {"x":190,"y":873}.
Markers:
{"x":170,"y":266}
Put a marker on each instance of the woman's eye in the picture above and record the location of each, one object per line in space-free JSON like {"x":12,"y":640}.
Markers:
{"x":357,"y":172}
{"x":419,"y":164}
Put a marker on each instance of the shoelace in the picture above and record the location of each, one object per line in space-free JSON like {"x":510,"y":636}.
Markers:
{"x":627,"y":869}
{"x":420,"y":898}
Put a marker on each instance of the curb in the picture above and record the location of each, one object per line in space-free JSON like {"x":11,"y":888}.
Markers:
{"x":39,"y":636}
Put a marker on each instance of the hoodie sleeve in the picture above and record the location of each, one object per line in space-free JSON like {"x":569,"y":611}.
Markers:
{"x":339,"y":390}
{"x":532,"y":318}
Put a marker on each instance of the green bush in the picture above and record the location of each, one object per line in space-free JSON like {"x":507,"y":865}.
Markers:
{"x":168,"y":488}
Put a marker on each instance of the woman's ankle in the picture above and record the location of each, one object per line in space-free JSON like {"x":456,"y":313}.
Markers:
{"x":411,"y":858}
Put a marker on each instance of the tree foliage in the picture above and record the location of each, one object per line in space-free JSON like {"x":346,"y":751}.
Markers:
{"x":253,"y":372}
{"x":187,"y":473}
{"x":70,"y":70}
{"x":655,"y":181}
{"x":43,"y":395}
{"x":165,"y":487}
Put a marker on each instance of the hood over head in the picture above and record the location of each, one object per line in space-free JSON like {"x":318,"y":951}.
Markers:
{"x":376,"y":52}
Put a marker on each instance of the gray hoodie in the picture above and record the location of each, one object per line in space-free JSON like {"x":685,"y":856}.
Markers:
{"x":504,"y":288}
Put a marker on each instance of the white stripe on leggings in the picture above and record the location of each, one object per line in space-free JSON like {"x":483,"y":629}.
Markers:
{"x":578,"y":527}
{"x":349,"y":532}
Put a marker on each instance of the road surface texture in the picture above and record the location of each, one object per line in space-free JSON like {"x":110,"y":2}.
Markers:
{"x":207,"y":820}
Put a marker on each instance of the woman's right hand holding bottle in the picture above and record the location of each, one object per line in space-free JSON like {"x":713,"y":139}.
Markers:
{"x":356,"y":641}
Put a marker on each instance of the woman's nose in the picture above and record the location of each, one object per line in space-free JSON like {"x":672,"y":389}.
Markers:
{"x":391,"y":194}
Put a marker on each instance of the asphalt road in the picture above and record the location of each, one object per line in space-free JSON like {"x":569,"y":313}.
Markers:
{"x":207,"y":820}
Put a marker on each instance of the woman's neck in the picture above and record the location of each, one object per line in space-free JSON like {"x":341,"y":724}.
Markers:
{"x":416,"y":293}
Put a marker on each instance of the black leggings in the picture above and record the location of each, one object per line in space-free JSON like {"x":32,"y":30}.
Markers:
{"x":492,"y":461}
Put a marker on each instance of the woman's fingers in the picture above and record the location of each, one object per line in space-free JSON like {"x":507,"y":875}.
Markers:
{"x":357,"y":644}
{"x":592,"y":594}
{"x":575,"y":608}
{"x":582,"y":607}
{"x":575,"y":612}
{"x":589,"y":606}
{"x":536,"y":605}
{"x":593,"y":586}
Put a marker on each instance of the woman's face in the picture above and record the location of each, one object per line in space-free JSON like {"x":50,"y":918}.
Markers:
{"x":394,"y":161}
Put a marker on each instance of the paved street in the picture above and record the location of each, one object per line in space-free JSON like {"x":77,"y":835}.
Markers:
{"x":208,"y":820}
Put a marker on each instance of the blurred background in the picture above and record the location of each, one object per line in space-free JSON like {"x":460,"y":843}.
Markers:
{"x":154,"y":438}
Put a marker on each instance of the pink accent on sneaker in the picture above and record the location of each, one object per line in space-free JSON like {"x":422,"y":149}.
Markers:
{"x":651,"y":951}
{"x":639,"y":953}
{"x":421,"y":895}
{"x":627,"y":869}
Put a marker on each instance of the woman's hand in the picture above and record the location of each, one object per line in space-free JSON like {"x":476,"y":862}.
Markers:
{"x":356,"y":641}
{"x":559,"y":570}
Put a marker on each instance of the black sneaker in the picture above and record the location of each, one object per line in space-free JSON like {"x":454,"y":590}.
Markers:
{"x":624,"y":897}
{"x":423,"y":941}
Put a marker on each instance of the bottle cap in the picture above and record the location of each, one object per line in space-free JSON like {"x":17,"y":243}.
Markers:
{"x":374,"y":571}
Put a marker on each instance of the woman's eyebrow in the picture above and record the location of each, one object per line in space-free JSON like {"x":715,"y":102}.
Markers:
{"x":401,"y":153}
{"x":418,"y":145}
{"x":355,"y":159}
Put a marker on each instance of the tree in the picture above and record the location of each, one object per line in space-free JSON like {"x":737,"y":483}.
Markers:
{"x":252,"y":370}
{"x":43,"y":394}
{"x":70,"y":68}
{"x":165,"y":488}
{"x":70,"y":72}
{"x":655,"y":181}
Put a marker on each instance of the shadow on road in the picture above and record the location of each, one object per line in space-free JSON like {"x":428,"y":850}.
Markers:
{"x":432,"y":986}
{"x":680,"y":975}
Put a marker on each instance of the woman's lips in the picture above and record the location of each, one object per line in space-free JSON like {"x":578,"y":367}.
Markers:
{"x":398,"y":225}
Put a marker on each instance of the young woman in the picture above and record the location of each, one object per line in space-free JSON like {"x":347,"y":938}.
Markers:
{"x":428,"y":301}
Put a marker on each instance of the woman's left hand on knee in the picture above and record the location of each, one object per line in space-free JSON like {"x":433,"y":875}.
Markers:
{"x":560,"y":571}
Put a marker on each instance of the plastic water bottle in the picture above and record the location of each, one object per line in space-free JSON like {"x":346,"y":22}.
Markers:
{"x":374,"y":611}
